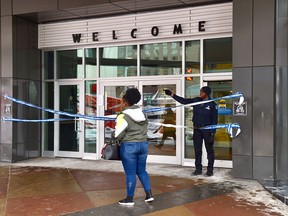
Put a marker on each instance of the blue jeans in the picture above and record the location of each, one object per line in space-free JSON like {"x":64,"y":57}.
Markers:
{"x":133,"y":157}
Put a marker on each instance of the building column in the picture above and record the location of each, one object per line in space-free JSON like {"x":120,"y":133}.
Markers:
{"x":21,"y":79}
{"x":281,"y":100}
{"x":6,"y":80}
{"x":254,"y":75}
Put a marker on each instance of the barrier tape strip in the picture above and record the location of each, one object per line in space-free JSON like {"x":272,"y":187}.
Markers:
{"x":110,"y":118}
{"x":229,"y":127}
{"x":236,"y":95}
{"x":103,"y":118}
{"x":34,"y":120}
{"x":167,"y":125}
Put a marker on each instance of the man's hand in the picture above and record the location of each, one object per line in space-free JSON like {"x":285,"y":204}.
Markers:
{"x":168,"y":92}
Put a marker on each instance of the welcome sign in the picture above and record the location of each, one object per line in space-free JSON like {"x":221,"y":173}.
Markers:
{"x":138,"y":27}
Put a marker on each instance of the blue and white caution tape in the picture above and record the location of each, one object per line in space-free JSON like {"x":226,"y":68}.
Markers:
{"x":36,"y":120}
{"x":102,"y":118}
{"x":229,"y":127}
{"x":167,"y":125}
{"x":107,"y":118}
{"x":236,"y":95}
{"x":53,"y":119}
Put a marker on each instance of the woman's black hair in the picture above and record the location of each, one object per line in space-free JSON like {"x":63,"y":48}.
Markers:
{"x":132,"y":96}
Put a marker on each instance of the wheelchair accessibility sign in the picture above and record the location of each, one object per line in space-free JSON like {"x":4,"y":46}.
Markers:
{"x":239,"y":109}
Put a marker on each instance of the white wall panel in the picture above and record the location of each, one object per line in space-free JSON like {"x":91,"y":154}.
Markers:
{"x":218,"y":19}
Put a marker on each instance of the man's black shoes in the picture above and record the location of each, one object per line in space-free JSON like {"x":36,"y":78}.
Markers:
{"x":197,"y":172}
{"x":208,"y":174}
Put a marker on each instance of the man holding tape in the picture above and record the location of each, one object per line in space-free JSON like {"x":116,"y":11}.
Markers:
{"x":203,"y":115}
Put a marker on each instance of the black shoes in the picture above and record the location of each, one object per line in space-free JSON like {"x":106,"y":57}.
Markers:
{"x":149,"y":197}
{"x":197,"y":172}
{"x":208,"y":174}
{"x":127,"y":202}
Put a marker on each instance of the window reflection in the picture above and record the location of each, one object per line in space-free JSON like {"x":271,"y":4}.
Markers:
{"x":69,"y":64}
{"x":218,"y":55}
{"x":192,"y":88}
{"x":49,"y":126}
{"x":113,"y":99}
{"x":120,"y":61}
{"x":69,"y":132}
{"x":192,"y":57}
{"x":90,"y":63}
{"x":90,"y":110}
{"x":223,"y":143}
{"x":161,"y":138}
{"x":49,"y":65}
{"x":161,"y":59}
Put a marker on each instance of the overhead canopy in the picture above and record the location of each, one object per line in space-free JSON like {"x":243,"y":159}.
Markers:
{"x":45,"y":11}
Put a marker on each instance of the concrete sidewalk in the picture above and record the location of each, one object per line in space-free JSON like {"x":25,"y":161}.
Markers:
{"x":62,"y":186}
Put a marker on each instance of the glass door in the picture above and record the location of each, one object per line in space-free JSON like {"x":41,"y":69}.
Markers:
{"x":164,"y":142}
{"x":109,"y":101}
{"x":222,"y":141}
{"x":69,"y":136}
{"x":163,"y":138}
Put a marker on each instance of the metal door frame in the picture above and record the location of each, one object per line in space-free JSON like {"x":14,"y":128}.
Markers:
{"x":139,"y":84}
{"x":57,"y":152}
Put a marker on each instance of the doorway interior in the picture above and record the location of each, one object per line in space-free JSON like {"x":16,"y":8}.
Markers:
{"x":161,"y":150}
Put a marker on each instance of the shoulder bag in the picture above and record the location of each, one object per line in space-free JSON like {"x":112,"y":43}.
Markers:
{"x":111,"y":151}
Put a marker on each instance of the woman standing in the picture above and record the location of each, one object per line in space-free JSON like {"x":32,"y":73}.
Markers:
{"x":131,"y":131}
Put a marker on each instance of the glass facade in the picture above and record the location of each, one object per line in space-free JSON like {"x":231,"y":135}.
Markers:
{"x":69,"y":130}
{"x":217,"y":55}
{"x":49,"y":65}
{"x":112,"y":106}
{"x":191,"y":61}
{"x":120,"y":61}
{"x":192,"y":88}
{"x":90,"y":110}
{"x":223,"y":143}
{"x":90,"y":63}
{"x":161,"y":59}
{"x":69,"y":64}
{"x":192,"y":57}
{"x":161,"y":139}
{"x":49,"y":126}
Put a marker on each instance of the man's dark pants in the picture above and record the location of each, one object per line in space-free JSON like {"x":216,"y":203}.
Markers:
{"x":198,"y":136}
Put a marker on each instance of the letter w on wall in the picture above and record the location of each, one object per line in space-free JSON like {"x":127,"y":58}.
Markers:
{"x":76,"y":38}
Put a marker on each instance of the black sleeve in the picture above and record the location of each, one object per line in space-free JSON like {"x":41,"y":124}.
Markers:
{"x":185,"y":100}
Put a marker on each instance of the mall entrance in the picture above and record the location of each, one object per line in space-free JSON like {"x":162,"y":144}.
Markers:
{"x":91,"y":81}
{"x":82,"y":138}
{"x":163,"y":148}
